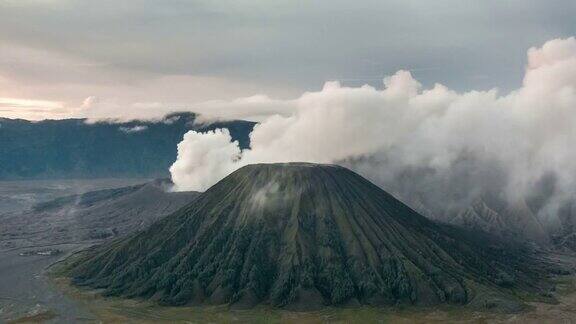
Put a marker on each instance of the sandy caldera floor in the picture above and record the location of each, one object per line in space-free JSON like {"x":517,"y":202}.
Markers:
{"x":26,"y":293}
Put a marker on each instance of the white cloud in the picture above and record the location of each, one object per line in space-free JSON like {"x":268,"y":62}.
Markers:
{"x":82,"y":88}
{"x":25,"y":108}
{"x":134,"y":129}
{"x":29,"y":103}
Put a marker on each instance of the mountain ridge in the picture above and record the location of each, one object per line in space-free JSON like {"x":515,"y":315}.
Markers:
{"x":508,"y":221}
{"x":73,"y":148}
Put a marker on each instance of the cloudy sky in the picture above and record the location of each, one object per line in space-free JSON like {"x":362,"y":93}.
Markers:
{"x":62,"y":58}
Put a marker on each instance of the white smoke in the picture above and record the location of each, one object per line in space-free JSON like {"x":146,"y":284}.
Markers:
{"x":203,"y":159}
{"x":416,"y":141}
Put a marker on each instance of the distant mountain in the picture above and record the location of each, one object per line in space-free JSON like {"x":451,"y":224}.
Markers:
{"x":92,"y":216}
{"x":563,"y":227}
{"x":505,"y":220}
{"x":72,"y":148}
{"x":304,"y":236}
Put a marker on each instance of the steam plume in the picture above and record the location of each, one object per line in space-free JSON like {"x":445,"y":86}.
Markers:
{"x":432,"y":145}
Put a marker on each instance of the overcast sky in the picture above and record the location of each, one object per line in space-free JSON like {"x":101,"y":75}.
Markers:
{"x":60,"y":58}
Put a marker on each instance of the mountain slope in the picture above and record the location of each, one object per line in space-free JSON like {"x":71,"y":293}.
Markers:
{"x":507,"y":221}
{"x":72,"y":148}
{"x":92,"y":216}
{"x":301,"y":236}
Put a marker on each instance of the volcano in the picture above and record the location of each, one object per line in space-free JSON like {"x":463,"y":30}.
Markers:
{"x":299,"y":236}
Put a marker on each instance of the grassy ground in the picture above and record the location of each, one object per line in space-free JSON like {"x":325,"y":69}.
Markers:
{"x":37,"y":318}
{"x":118,"y":310}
